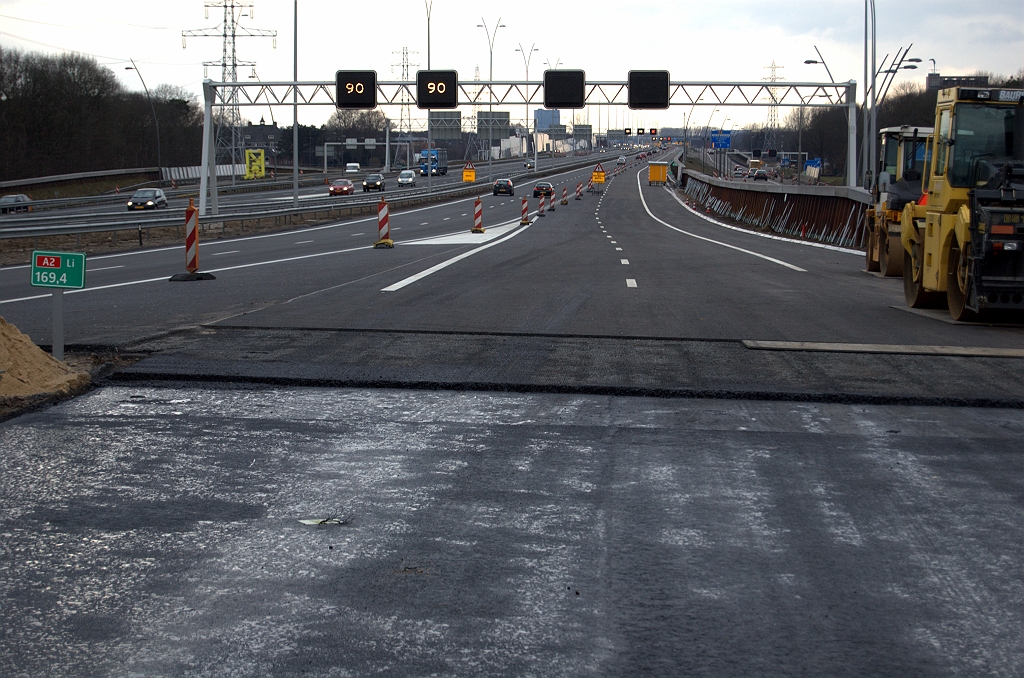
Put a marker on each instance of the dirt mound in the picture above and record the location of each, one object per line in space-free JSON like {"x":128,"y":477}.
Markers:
{"x":26,"y":370}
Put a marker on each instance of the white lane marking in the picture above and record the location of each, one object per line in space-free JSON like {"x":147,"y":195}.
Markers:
{"x":618,"y":249}
{"x":630,"y":282}
{"x":614,"y":242}
{"x":447,"y":219}
{"x":303,"y":242}
{"x":444,"y":264}
{"x":624,"y":262}
{"x":607,"y":236}
{"x":355,"y":234}
{"x":639,"y":189}
{"x":217,"y":254}
{"x":794,"y":241}
{"x":214,"y":270}
{"x":464,"y":214}
{"x":105,"y":268}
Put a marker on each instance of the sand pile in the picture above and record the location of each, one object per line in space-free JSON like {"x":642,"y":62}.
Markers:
{"x":26,"y":370}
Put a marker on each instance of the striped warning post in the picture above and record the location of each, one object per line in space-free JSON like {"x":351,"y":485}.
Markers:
{"x":478,"y":217}
{"x":526,"y":213}
{"x":565,"y":195}
{"x":579,"y":191}
{"x":551,"y":203}
{"x":191,"y":237}
{"x":383,"y":226}
{"x":540,"y":210}
{"x":590,"y":186}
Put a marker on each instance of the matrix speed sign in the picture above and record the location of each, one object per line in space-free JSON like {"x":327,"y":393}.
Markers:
{"x":58,"y":269}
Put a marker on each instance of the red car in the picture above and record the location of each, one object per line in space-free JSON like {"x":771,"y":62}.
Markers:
{"x":342,"y":187}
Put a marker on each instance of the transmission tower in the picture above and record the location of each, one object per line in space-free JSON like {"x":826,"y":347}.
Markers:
{"x":405,"y":117}
{"x":772,"y":130}
{"x":229,"y":125}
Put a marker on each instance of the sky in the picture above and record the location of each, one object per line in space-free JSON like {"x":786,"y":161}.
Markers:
{"x":724,"y":40}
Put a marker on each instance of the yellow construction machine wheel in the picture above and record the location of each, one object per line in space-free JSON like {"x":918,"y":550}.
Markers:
{"x":913,"y":290}
{"x":958,"y":282}
{"x":890,"y":255}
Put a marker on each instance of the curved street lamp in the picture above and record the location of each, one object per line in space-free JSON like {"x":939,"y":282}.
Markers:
{"x":156,"y":124}
{"x":490,"y":88}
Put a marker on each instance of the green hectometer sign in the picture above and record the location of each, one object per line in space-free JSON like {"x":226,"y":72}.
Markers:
{"x":58,"y":269}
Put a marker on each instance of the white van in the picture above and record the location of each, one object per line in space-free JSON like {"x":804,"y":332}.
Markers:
{"x":352,"y":168}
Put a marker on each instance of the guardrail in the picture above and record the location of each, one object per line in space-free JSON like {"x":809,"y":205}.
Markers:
{"x":316,"y":209}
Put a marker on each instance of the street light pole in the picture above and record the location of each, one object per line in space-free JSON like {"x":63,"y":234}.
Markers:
{"x":295,"y":112}
{"x":156,"y":124}
{"x":430,"y":6}
{"x":526,"y":61}
{"x":490,"y":90}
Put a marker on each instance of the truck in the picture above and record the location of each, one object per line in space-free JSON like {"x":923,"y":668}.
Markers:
{"x":964,"y":240}
{"x":438,"y":161}
{"x":900,"y":177}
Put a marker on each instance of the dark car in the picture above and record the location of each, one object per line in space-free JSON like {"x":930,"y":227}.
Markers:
{"x":15,"y":203}
{"x":342,"y":187}
{"x":543,"y":188}
{"x":760,"y":174}
{"x":504,"y":186}
{"x":147,"y":199}
{"x":373,"y":182}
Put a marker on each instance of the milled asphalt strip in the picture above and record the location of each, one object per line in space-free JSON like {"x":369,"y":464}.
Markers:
{"x":808,"y":243}
{"x":900,"y":349}
{"x":444,"y":264}
{"x":715,"y":242}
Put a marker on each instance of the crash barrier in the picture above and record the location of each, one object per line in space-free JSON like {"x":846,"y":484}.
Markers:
{"x":835,"y":215}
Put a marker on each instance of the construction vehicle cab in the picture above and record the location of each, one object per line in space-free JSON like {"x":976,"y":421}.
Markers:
{"x":902,"y":164}
{"x":965,"y":247}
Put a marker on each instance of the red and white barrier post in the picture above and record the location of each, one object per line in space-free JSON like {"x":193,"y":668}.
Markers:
{"x":590,"y":185}
{"x":383,"y":226}
{"x":579,"y":191}
{"x":565,"y":195}
{"x":191,"y":247}
{"x":478,"y":217}
{"x":540,"y":210}
{"x":551,"y":203}
{"x":526,"y":213}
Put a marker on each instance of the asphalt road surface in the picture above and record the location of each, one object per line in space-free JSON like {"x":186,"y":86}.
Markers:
{"x":154,"y":531}
{"x":562,"y":448}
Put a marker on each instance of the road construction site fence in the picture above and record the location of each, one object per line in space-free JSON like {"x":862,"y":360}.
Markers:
{"x":834,"y":215}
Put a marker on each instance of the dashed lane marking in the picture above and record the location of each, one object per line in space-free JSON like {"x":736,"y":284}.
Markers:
{"x":624,"y":262}
{"x":630,"y":282}
{"x":217,"y":254}
{"x":105,"y":268}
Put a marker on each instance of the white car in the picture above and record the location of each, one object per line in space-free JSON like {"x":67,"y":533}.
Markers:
{"x":351,"y":168}
{"x":406,"y":178}
{"x":621,"y":160}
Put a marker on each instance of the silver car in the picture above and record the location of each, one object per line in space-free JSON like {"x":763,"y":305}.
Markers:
{"x":406,"y":178}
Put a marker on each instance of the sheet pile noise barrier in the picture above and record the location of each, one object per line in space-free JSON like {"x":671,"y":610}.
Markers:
{"x":833,"y":220}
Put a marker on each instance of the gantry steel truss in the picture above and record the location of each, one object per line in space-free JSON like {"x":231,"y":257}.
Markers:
{"x":476,"y":92}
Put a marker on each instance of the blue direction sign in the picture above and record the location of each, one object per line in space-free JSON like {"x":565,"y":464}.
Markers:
{"x":721,"y":138}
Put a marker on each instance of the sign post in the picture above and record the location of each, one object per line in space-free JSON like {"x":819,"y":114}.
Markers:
{"x":59,"y":270}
